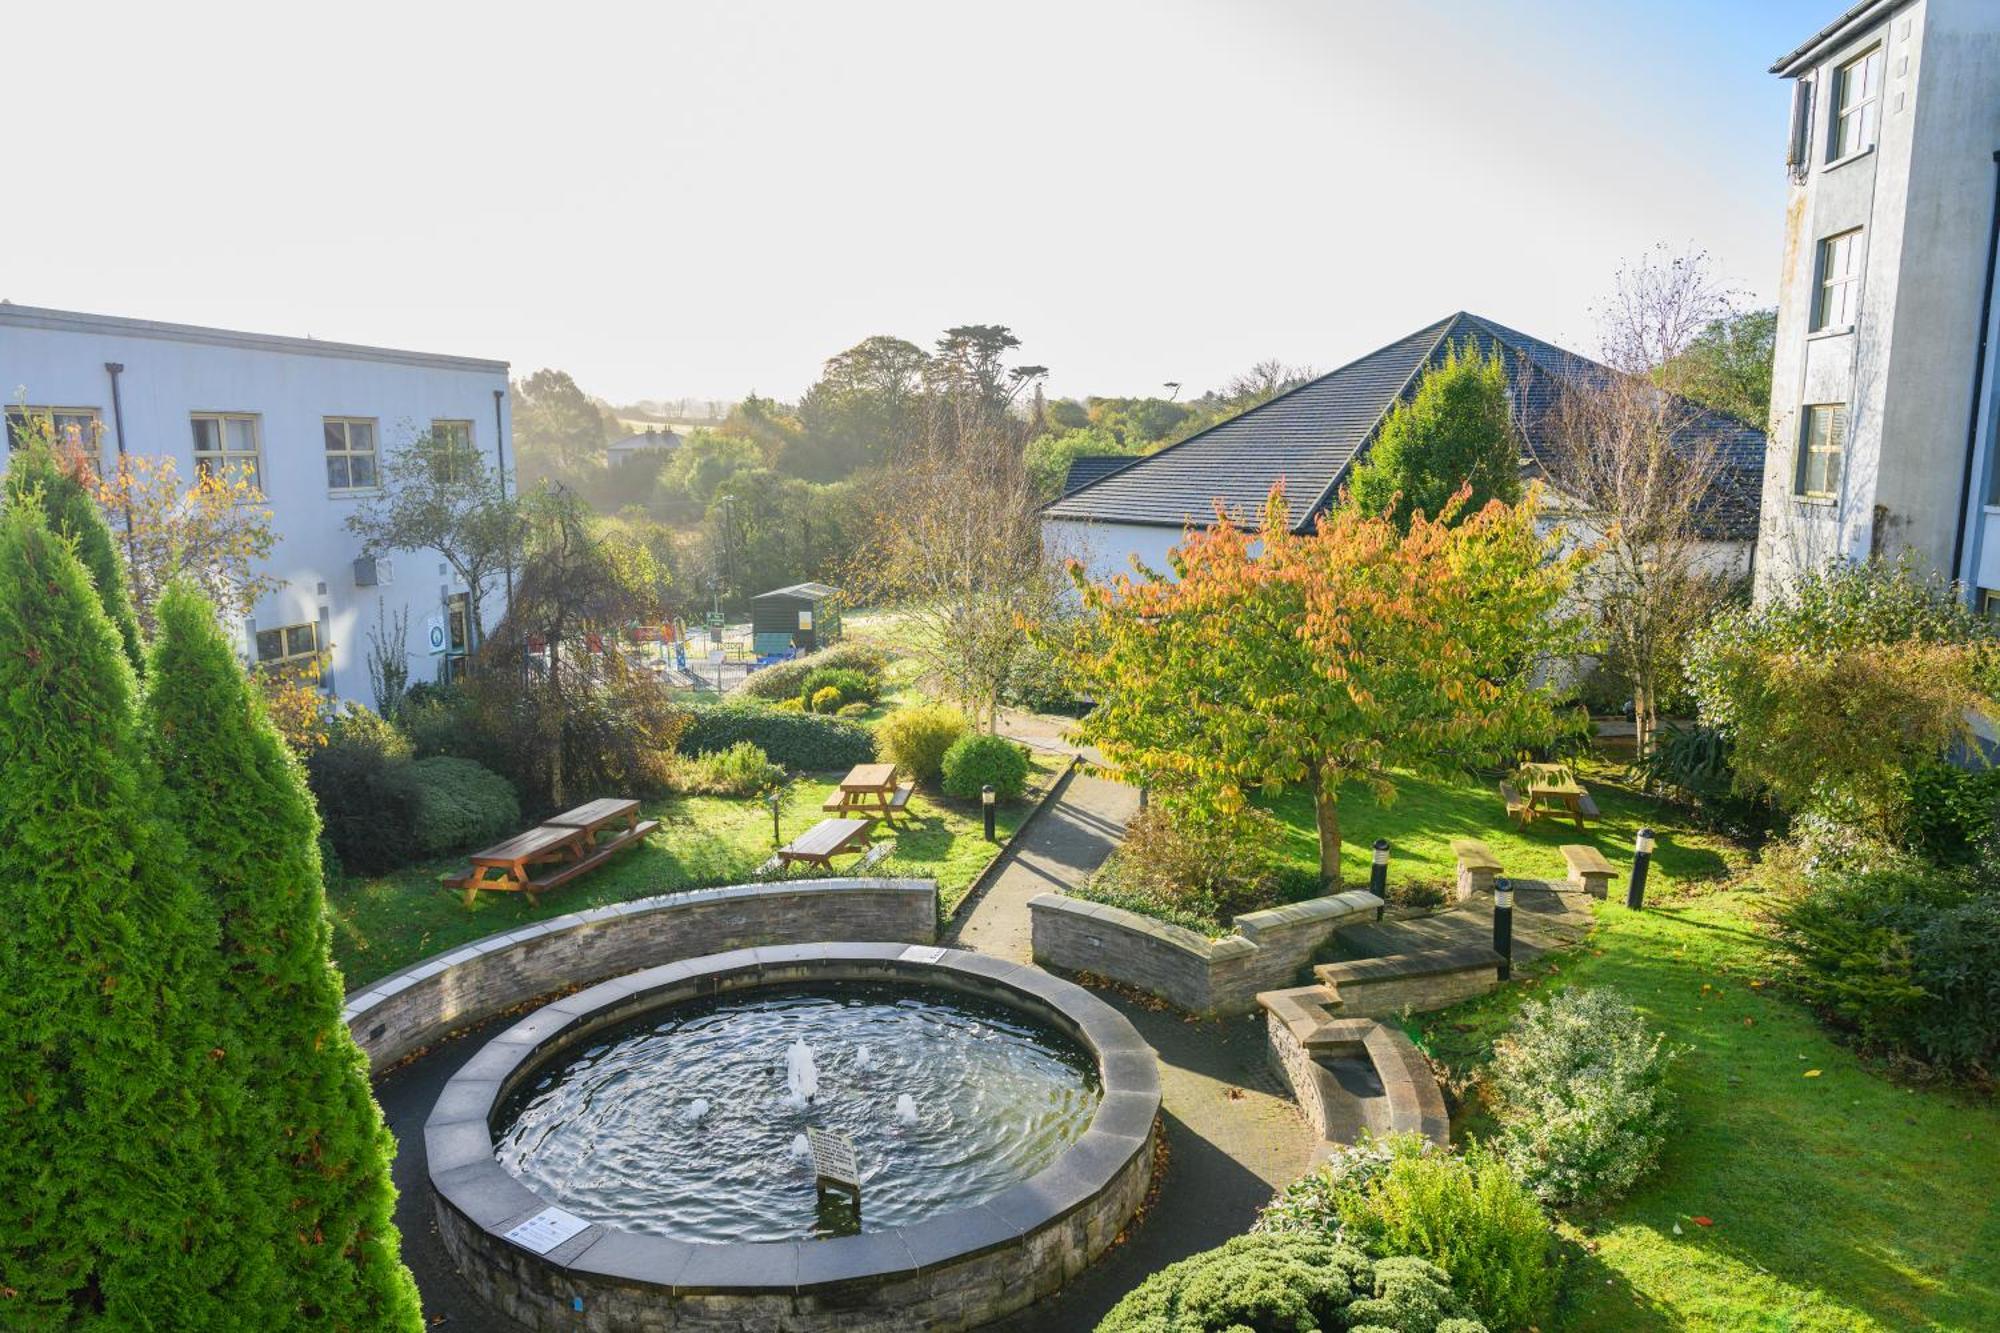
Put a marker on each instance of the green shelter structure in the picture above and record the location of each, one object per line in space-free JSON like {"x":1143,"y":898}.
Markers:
{"x":802,"y":618}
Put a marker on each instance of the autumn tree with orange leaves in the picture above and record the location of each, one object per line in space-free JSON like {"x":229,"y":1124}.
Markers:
{"x":1355,"y":652}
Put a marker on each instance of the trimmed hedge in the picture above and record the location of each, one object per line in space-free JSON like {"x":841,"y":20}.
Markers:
{"x":917,"y":739}
{"x":785,"y":680}
{"x":978,"y":760}
{"x":1290,"y":1283}
{"x":799,"y":741}
{"x":455,"y":804}
{"x":852,"y":686}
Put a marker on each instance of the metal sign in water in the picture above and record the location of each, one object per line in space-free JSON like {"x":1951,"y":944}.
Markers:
{"x":833,"y":1157}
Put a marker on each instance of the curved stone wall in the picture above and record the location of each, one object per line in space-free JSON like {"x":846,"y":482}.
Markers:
{"x":549,"y":1270}
{"x":412,"y":1008}
{"x":1188,"y":970}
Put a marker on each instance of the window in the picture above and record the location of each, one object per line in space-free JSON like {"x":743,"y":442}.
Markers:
{"x":1798,"y":147}
{"x":1839,"y":291}
{"x":1989,"y":603}
{"x":453,"y":460}
{"x":288,"y":645}
{"x":72,"y":427}
{"x":226,"y":445}
{"x":1820,"y":451}
{"x":1857,"y":105}
{"x":350,"y":454}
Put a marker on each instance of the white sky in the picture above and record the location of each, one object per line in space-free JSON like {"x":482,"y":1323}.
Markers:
{"x":702,"y":199}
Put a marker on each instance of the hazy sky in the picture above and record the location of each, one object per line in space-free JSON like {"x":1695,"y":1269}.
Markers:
{"x":671,"y":198}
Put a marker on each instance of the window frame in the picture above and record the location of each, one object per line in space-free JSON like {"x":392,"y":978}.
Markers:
{"x":1866,"y":109}
{"x":471,"y":443}
{"x":1825,"y":281}
{"x":230,"y":457}
{"x":348,"y":453}
{"x":289,"y":656}
{"x":48,"y":413}
{"x":1989,"y":603}
{"x":1836,"y":415}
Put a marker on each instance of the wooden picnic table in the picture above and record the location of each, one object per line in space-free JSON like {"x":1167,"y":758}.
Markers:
{"x":1553,"y":789}
{"x":872,"y":790}
{"x":825,"y":840}
{"x":593,"y":816}
{"x":505,"y":865}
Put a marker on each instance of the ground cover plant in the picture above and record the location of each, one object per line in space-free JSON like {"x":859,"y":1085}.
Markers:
{"x":1800,"y":1187}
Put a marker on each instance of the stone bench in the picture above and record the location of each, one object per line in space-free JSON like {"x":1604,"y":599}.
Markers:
{"x":1351,"y":1074}
{"x":1588,"y":870}
{"x":1477,"y":866}
{"x":1419,"y":981}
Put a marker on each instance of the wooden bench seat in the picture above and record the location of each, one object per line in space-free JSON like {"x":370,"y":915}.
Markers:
{"x":1586,"y":809}
{"x":1588,"y":870}
{"x":1517,"y":806}
{"x":844,"y":803}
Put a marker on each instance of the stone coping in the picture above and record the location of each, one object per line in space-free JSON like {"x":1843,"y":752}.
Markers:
{"x":1418,"y":963}
{"x":469,"y":1180}
{"x":1302,"y":1028}
{"x":472,"y":982}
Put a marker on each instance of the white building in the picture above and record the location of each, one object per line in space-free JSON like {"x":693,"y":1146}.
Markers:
{"x":314,"y":420}
{"x":648,"y":441}
{"x":1883,"y":385}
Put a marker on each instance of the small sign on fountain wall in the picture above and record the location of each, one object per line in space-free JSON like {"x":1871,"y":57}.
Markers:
{"x":546,"y":1230}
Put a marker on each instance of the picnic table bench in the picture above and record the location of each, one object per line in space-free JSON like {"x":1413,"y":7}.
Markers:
{"x":870,"y":791}
{"x":572,"y":842}
{"x":825,"y":840}
{"x":1552,"y":789}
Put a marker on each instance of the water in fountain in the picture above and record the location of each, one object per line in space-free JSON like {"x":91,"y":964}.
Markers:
{"x":906,"y":1109}
{"x":861,"y":1057}
{"x":801,"y":1074}
{"x":698,"y":1109}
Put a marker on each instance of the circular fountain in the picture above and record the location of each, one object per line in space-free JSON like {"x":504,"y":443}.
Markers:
{"x":638,"y":1153}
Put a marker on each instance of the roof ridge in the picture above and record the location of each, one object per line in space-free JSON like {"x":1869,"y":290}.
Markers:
{"x":1248,"y":411}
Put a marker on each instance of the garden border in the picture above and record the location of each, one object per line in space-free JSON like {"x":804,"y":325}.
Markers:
{"x":1188,"y":970}
{"x":407,"y":1010}
{"x":953,"y":1271}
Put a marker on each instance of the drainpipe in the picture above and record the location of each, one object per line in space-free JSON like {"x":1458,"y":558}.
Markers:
{"x":500,"y":458}
{"x":1978,"y":380}
{"x":115,"y":369}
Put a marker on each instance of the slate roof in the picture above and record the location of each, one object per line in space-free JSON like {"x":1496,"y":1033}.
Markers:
{"x":1088,"y":468}
{"x":1310,"y":435}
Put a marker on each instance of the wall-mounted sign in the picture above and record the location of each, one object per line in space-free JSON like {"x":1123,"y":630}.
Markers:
{"x":434,"y":634}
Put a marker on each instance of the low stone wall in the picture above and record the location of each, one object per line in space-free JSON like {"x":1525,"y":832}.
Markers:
{"x":414,"y":1007}
{"x":1417,"y":982}
{"x":1189,"y":970}
{"x":1308,"y":1044}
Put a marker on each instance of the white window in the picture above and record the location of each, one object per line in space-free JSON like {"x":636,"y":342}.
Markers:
{"x":288,"y":645}
{"x":350,"y":454}
{"x":453,"y":442}
{"x":1989,"y":603}
{"x":1839,"y":292}
{"x":66,"y":427}
{"x":1821,"y":447}
{"x":228,"y":445}
{"x":1857,"y":105}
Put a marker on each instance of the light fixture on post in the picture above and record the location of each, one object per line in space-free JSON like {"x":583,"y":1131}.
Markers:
{"x":1642,"y":857}
{"x":1503,"y":925}
{"x":986,"y":800}
{"x":1378,"y":876}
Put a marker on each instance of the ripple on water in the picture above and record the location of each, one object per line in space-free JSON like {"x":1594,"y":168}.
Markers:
{"x":681,"y":1123}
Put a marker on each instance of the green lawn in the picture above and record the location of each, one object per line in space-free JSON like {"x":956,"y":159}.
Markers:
{"x":1838,"y":1199}
{"x":1426,"y":814}
{"x":382,"y":925}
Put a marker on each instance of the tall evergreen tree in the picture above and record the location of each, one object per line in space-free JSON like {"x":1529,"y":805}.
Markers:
{"x":58,"y":484}
{"x":108,"y":1196}
{"x":310,"y":1128}
{"x":1454,"y":431}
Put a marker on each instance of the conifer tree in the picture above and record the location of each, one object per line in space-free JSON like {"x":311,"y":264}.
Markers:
{"x":59,"y":484}
{"x":310,"y":1128}
{"x":109,"y":1206}
{"x":1456,"y":431}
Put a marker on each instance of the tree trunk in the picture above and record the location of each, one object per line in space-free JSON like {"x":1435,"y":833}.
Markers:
{"x":1642,"y":721}
{"x":1326,"y":814}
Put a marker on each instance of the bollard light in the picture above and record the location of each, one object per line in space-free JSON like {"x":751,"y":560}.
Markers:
{"x":986,"y":800}
{"x":1378,"y":876}
{"x":1503,"y":925}
{"x":772,"y":801}
{"x":1642,"y":857}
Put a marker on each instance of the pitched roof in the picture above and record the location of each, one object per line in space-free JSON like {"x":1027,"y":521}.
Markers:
{"x":1309,"y":436}
{"x":1087,"y":468}
{"x":811,"y":592}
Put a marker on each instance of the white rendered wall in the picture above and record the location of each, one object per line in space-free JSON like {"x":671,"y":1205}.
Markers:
{"x":45,"y":363}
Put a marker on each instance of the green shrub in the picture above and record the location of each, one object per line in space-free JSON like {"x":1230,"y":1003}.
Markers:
{"x":825,"y":700}
{"x":980,"y":760}
{"x":915,"y":739}
{"x":1953,"y":811}
{"x":740,"y":770}
{"x":852,"y":686}
{"x":802,"y":742}
{"x":1905,"y":957}
{"x":1400,"y":1195}
{"x":785,"y":680}
{"x":1180,"y":864}
{"x":852,"y":710}
{"x":1269,"y":1283}
{"x":368,"y":817}
{"x":455,"y":804}
{"x":1583,"y":1104}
